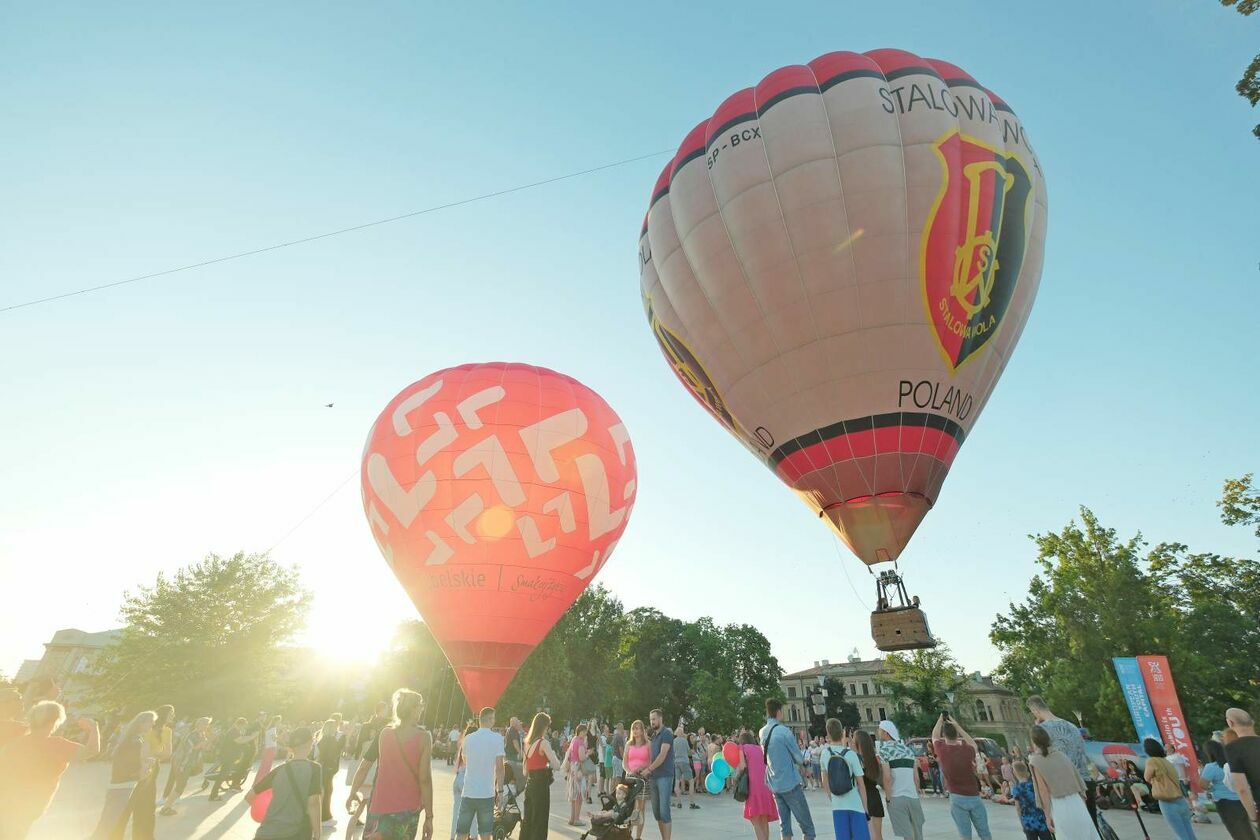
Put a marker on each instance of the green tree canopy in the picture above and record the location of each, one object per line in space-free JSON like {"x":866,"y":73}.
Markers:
{"x":207,"y":639}
{"x":1248,"y":86}
{"x":923,"y":684}
{"x":1240,"y":501}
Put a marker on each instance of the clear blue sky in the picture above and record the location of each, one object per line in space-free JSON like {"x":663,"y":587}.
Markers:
{"x":147,"y":425}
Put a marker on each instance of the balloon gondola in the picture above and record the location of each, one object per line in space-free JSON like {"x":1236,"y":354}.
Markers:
{"x":837,"y":265}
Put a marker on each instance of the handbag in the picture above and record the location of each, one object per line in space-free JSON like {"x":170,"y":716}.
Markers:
{"x":1164,"y":788}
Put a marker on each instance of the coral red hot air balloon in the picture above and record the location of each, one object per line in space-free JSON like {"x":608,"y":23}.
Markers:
{"x":496,"y":493}
{"x":837,"y":265}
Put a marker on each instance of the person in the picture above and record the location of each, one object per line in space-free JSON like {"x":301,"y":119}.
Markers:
{"x":956,"y":754}
{"x":783,"y":775}
{"x":1228,"y":804}
{"x":1066,"y":738}
{"x":1166,"y":788}
{"x":759,"y":808}
{"x":371,"y":728}
{"x":638,"y":758}
{"x":864,"y":745}
{"x":269,"y":742}
{"x":1031,"y":818}
{"x":457,"y":786}
{"x":849,"y":809}
{"x":188,"y":760}
{"x":327,"y":756}
{"x":133,"y":765}
{"x":233,"y":746}
{"x":622,"y":808}
{"x":696,"y":742}
{"x":297,"y":788}
{"x":1008,"y":773}
{"x":403,"y":787}
{"x":32,"y":763}
{"x":452,"y":744}
{"x":483,"y":778}
{"x":513,"y":741}
{"x":901,"y":782}
{"x":160,"y":747}
{"x":934,"y":771}
{"x":541,"y":762}
{"x":250,"y":750}
{"x":1243,"y":755}
{"x":11,"y":723}
{"x":573,"y":776}
{"x":619,"y":750}
{"x":681,"y":750}
{"x":661,"y":772}
{"x":1060,"y":789}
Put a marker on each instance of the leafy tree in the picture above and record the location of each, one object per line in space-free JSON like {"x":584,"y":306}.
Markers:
{"x":1248,"y":86}
{"x":838,"y":707}
{"x":922,"y":683}
{"x":207,"y":640}
{"x":1240,"y":502}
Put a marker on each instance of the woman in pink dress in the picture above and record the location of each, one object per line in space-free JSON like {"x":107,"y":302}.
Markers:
{"x":759,"y":809}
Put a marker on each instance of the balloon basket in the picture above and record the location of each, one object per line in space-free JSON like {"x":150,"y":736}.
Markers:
{"x":898,"y":623}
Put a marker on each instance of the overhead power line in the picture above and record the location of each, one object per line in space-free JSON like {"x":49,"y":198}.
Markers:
{"x":331,"y":233}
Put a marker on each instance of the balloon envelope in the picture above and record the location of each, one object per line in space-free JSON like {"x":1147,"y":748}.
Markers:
{"x":714,"y":784}
{"x":258,"y":810}
{"x":496,"y":492}
{"x":721,"y":768}
{"x":730,"y":751}
{"x":837,"y":265}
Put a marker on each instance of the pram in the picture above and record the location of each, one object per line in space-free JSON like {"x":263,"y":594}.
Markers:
{"x":508,"y":816}
{"x":616,"y":827}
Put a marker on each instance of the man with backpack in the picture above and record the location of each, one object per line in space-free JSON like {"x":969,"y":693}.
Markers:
{"x":842,"y":780}
{"x":783,"y":774}
{"x":296,"y":787}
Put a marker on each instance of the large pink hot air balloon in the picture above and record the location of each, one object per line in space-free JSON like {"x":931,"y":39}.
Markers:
{"x":837,"y":264}
{"x":496,"y":492}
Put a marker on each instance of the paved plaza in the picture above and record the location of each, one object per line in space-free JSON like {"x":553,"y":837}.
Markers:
{"x":74,"y":811}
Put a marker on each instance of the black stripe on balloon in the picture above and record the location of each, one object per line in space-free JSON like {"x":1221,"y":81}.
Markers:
{"x":828,"y":84}
{"x":729,"y":124}
{"x":779,"y":97}
{"x":683,"y":161}
{"x":865,"y":424}
{"x":912,"y":70}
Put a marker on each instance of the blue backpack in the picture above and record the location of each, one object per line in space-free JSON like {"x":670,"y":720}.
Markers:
{"x":839,"y":777}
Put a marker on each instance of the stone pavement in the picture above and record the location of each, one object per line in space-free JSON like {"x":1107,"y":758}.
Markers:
{"x":73,"y":815}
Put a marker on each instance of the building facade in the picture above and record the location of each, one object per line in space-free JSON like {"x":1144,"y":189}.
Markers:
{"x":985,"y":707}
{"x":68,"y":656}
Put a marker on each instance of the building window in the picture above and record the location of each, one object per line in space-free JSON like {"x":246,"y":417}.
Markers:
{"x":866,"y":688}
{"x":791,"y":691}
{"x":882,"y":716}
{"x":793,"y":710}
{"x":869,"y":717}
{"x":981,"y":715}
{"x":853,"y":689}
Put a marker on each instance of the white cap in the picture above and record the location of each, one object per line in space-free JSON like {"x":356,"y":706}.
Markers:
{"x":891,"y":728}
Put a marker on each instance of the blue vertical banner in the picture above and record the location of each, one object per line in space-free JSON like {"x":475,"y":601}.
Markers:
{"x":1134,"y":688}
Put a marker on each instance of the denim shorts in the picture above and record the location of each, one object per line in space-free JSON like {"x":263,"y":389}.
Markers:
{"x":482,"y":809}
{"x":660,"y":789}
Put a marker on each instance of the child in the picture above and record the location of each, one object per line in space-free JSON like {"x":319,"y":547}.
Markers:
{"x":1031,"y":818}
{"x":296,"y":787}
{"x":848,"y":812}
{"x":620,"y":811}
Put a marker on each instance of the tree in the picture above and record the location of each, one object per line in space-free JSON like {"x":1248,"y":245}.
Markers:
{"x":1091,"y":600}
{"x":207,"y":640}
{"x":1248,"y":86}
{"x":843,"y":710}
{"x":1240,"y":502}
{"x":923,"y":684}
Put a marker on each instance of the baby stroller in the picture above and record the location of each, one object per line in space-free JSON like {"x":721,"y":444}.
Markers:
{"x":508,"y":816}
{"x":616,"y":827}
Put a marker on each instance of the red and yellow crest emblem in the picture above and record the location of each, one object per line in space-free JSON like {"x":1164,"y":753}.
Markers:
{"x":973,"y":244}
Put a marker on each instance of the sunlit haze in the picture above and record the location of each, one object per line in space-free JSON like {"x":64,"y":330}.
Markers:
{"x":147,"y":425}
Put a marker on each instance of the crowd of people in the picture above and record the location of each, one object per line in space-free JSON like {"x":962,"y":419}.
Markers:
{"x":613,"y":773}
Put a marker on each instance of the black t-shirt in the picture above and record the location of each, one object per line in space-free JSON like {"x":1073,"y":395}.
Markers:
{"x":1244,"y":757}
{"x":592,"y":747}
{"x":512,"y":744}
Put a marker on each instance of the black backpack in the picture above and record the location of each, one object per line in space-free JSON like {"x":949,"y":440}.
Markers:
{"x":839,"y":776}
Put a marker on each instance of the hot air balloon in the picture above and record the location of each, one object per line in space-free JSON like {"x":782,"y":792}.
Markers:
{"x":837,"y":265}
{"x":496,"y":492}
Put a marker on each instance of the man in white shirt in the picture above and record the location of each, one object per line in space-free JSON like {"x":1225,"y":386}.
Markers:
{"x":452,"y":738}
{"x":483,"y":777}
{"x":901,"y":782}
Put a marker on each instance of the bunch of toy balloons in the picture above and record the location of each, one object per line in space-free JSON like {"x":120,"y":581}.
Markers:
{"x":722,"y":768}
